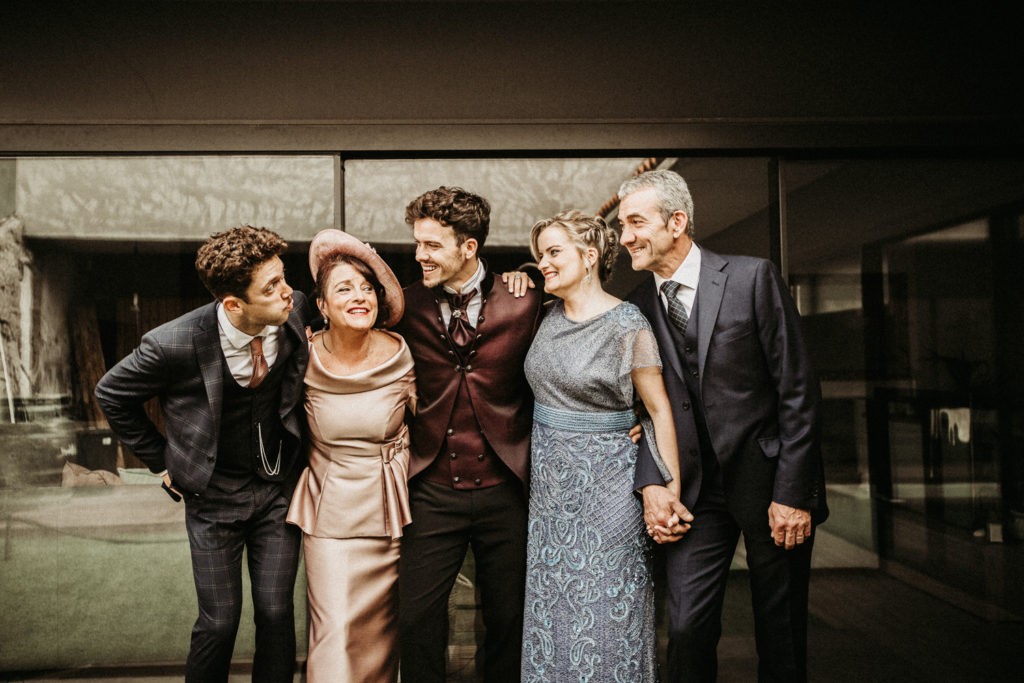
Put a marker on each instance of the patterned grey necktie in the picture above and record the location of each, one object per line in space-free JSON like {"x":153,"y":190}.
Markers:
{"x":676,"y":312}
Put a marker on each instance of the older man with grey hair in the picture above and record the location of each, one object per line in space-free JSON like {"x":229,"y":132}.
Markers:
{"x":745,"y":404}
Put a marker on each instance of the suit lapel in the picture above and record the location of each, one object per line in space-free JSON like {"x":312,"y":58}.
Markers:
{"x":710,"y":290}
{"x":211,"y":361}
{"x":286,"y":339}
{"x":290,"y":342}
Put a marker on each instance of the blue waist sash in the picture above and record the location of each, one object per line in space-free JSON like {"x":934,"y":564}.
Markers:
{"x":573,"y":421}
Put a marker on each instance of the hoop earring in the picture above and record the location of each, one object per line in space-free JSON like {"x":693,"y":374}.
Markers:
{"x":589,"y":278}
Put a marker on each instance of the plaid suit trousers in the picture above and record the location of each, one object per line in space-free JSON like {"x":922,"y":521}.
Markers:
{"x":220,"y":525}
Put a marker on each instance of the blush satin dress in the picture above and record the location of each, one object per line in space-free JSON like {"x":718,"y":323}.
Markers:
{"x":351,"y":503}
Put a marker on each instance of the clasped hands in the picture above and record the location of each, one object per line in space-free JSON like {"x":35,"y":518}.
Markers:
{"x":668,"y":520}
{"x":665,"y":516}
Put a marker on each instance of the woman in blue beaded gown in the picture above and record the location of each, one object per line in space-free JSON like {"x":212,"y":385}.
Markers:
{"x":589,"y":612}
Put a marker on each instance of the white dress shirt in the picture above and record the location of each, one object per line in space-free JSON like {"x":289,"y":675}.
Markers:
{"x":687,"y":275}
{"x":235,"y":345}
{"x":474,"y":305}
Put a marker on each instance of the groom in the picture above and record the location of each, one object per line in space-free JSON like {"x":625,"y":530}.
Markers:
{"x":470,"y":438}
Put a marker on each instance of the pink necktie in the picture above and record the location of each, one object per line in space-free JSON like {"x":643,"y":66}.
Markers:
{"x":259,"y":363}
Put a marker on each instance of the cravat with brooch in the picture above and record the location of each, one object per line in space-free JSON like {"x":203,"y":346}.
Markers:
{"x":459,"y":328}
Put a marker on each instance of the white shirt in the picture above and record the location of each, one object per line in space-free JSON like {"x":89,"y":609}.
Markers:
{"x":474,"y":305}
{"x":688,"y":275}
{"x":235,"y":345}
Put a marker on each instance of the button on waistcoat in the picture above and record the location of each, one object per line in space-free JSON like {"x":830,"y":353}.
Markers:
{"x":466,"y":460}
{"x":686,"y":349}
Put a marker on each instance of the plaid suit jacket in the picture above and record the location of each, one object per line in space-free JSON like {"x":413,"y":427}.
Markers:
{"x":181,"y":363}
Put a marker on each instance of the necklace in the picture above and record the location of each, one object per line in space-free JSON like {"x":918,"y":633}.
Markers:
{"x":349,"y":366}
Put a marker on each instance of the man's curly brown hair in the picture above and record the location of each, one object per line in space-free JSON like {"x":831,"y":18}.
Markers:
{"x":468,"y":214}
{"x":226,"y":261}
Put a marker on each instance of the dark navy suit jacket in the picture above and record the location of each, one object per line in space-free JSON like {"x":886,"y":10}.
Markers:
{"x":759,"y":394}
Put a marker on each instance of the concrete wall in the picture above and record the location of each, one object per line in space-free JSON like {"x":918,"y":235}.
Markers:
{"x":406,"y":76}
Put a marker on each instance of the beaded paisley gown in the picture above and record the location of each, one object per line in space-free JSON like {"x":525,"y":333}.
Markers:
{"x":589,"y":612}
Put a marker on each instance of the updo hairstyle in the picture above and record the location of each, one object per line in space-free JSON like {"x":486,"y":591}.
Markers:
{"x":585,"y":231}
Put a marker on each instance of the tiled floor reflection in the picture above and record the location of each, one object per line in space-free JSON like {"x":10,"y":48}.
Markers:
{"x":865,"y":626}
{"x":866,"y":623}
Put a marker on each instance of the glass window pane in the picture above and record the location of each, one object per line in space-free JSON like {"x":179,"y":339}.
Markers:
{"x":893,"y":265}
{"x":93,"y":253}
{"x":730,"y":198}
{"x":173,"y":198}
{"x":520,"y":191}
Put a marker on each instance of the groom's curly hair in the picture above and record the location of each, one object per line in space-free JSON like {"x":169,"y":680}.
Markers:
{"x":468,"y":214}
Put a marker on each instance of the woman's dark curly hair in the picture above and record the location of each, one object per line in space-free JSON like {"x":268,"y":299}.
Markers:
{"x":226,"y":261}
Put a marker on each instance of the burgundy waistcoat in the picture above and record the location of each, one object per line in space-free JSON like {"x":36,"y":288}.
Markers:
{"x":496,"y":402}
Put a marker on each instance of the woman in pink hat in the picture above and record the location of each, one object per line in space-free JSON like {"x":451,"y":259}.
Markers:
{"x":352,"y":500}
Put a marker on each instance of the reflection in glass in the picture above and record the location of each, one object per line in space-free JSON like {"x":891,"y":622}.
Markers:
{"x":894,"y":268}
